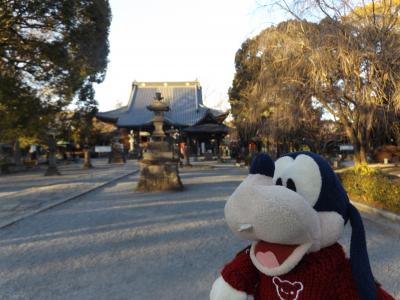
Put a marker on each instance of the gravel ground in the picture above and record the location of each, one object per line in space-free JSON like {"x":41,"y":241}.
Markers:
{"x":27,"y":192}
{"x":115,"y":243}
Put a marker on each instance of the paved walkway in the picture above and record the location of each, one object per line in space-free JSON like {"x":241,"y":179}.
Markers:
{"x":115,"y":243}
{"x":23,"y":194}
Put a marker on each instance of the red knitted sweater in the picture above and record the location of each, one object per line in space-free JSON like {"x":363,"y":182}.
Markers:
{"x":325,"y":274}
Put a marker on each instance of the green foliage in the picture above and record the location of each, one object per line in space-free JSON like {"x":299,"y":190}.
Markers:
{"x":365,"y":170}
{"x":373,"y":187}
{"x":82,"y":119}
{"x":20,"y":111}
{"x":51,"y":51}
{"x":247,"y":65}
{"x":26,"y":141}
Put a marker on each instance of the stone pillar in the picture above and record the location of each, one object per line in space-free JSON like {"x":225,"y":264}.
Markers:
{"x":87,"y":162}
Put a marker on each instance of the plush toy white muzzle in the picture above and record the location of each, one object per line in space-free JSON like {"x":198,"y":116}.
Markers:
{"x":281,"y":222}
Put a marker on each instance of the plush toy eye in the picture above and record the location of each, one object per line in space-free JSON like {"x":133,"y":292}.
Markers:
{"x":301,"y":175}
{"x":290,"y":185}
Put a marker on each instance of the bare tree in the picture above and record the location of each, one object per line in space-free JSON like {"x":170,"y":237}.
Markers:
{"x":348,"y":62}
{"x":266,"y":111}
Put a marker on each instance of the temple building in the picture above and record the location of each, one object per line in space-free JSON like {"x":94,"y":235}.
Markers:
{"x":188,"y":119}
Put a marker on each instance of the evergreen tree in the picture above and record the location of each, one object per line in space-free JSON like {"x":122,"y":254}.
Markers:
{"x":247,"y":65}
{"x":50,"y":52}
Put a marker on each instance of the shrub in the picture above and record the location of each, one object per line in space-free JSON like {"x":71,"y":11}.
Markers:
{"x":372,"y":186}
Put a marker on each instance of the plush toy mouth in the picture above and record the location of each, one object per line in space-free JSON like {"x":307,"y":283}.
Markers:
{"x":271,"y":255}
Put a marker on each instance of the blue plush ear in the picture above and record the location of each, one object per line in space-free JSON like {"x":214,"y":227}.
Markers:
{"x":262,"y":164}
{"x":359,"y":261}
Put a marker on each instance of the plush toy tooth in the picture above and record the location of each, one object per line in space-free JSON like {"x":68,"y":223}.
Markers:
{"x":245,"y":227}
{"x":284,"y":225}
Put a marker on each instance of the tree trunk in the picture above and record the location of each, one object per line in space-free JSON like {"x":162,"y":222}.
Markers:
{"x":362,"y":145}
{"x":52,"y":162}
{"x":17,"y":153}
{"x":359,"y":144}
{"x":363,"y":153}
{"x":397,"y":135}
{"x":359,"y":155}
{"x":87,"y":163}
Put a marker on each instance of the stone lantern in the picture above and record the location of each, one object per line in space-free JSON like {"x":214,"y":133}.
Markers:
{"x":158,"y":168}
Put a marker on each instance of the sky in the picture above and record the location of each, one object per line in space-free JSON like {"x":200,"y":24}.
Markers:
{"x":178,"y":40}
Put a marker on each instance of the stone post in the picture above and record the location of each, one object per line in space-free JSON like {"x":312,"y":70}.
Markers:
{"x":87,"y":162}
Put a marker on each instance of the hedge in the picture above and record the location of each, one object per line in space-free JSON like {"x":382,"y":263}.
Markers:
{"x":373,"y":187}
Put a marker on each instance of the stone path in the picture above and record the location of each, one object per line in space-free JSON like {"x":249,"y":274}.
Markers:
{"x":114,"y":243}
{"x":23,"y":194}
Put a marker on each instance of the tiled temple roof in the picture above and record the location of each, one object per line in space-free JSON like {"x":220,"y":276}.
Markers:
{"x":184,"y":99}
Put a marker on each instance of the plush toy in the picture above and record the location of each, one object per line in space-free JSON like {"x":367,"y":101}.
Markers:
{"x":294,"y":211}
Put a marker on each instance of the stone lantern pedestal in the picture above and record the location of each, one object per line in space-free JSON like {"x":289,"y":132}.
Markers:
{"x":117,"y":155}
{"x":158,"y":168}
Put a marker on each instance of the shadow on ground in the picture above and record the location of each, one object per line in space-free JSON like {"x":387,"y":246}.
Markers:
{"x":115,"y":243}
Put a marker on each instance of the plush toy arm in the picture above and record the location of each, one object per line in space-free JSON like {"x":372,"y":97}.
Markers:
{"x":221,"y":290}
